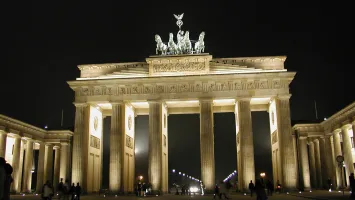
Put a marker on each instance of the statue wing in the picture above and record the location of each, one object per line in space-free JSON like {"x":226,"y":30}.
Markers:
{"x":176,"y":17}
{"x":182,"y":15}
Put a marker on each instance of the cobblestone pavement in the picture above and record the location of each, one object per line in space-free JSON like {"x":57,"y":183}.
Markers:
{"x":321,"y":195}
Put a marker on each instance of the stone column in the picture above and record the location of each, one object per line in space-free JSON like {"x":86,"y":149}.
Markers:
{"x":17,"y":174}
{"x":40,"y":167}
{"x":323,"y":162}
{"x":207,"y":144}
{"x":348,"y":157}
{"x":304,"y":163}
{"x":116,"y":159}
{"x":329,"y":159}
{"x":64,"y":161}
{"x":56,"y":166}
{"x":48,"y":163}
{"x":288,"y":165}
{"x":246,"y":169}
{"x":155,"y":145}
{"x":312,"y":164}
{"x":27,"y":169}
{"x":337,"y":152}
{"x":318,"y":164}
{"x":78,"y":164}
{"x":3,"y":137}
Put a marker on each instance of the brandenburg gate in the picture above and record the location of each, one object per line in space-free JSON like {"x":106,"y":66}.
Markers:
{"x":181,"y":80}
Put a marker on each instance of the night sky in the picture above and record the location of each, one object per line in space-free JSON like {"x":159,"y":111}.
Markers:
{"x":45,"y":41}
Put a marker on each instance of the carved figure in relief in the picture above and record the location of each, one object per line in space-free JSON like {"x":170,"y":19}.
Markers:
{"x":200,"y":44}
{"x":187,"y":42}
{"x":172,"y":47}
{"x":161,"y":47}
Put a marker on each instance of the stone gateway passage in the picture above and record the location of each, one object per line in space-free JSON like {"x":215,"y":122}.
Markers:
{"x":179,"y":84}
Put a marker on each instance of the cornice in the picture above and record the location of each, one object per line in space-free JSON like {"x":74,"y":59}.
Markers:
{"x":112,"y":66}
{"x":339,"y":118}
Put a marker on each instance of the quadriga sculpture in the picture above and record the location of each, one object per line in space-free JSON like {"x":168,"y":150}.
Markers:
{"x":160,"y":46}
{"x":187,"y":42}
{"x":172,"y":47}
{"x":200,"y":44}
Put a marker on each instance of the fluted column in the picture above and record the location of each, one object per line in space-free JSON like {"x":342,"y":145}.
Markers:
{"x":27,"y":171}
{"x":329,"y":159}
{"x":64,"y":161}
{"x":16,"y":165}
{"x":337,"y":152}
{"x":323,"y":162}
{"x":48,"y":163}
{"x":3,"y":137}
{"x":155,"y":145}
{"x":40,"y":167}
{"x":312,"y":164}
{"x":246,"y":167}
{"x":78,"y":166}
{"x":348,"y":157}
{"x":207,"y":144}
{"x":56,"y":166}
{"x":318,"y":164}
{"x":116,"y":159}
{"x":304,"y":162}
{"x":288,"y":164}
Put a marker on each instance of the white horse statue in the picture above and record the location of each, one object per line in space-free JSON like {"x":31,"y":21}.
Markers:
{"x":200,"y":44}
{"x":172,"y":47}
{"x":187,"y":42}
{"x":160,"y":46}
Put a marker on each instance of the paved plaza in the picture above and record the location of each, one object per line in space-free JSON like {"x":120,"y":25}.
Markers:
{"x":321,"y":195}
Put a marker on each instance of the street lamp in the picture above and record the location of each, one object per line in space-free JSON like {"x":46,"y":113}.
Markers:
{"x":140,"y":178}
{"x":173,"y":170}
{"x":262,"y":175}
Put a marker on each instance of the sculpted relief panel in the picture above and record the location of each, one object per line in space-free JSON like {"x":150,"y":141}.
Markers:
{"x":184,"y":87}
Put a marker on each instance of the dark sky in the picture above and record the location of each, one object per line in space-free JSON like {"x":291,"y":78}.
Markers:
{"x":43,"y":42}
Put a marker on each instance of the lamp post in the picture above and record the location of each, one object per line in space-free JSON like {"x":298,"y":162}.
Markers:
{"x":262,"y":175}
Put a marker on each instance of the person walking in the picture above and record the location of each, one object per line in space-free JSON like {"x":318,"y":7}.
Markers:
{"x":222,"y":190}
{"x":72,"y":191}
{"x":78,"y":191}
{"x":216,"y":192}
{"x":47,"y":191}
{"x":329,"y":183}
{"x":60,"y":188}
{"x":66,"y":190}
{"x":251,"y":187}
{"x":8,"y":181}
{"x":270,"y":187}
{"x":352,"y":185}
{"x":260,"y":190}
{"x":2,"y":177}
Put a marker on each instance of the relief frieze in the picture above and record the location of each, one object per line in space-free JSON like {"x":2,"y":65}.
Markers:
{"x":179,"y":67}
{"x":183,"y":87}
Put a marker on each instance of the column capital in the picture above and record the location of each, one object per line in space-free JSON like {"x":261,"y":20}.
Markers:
{"x":242,"y":99}
{"x":116,"y":102}
{"x":56,"y":147}
{"x":2,"y":132}
{"x":80,"y":104}
{"x":154,"y":101}
{"x":48,"y":144}
{"x":64,"y":143}
{"x":337,"y":131}
{"x":310,"y":140}
{"x":346,"y":127}
{"x":207,"y":99}
{"x":283,"y":97}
